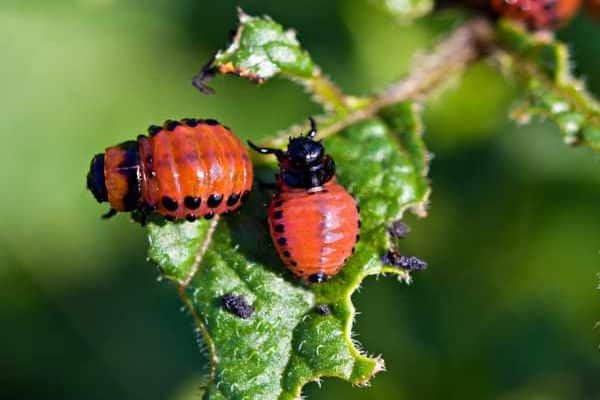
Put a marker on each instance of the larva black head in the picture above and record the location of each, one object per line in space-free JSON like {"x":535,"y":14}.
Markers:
{"x":95,"y":178}
{"x":304,"y":164}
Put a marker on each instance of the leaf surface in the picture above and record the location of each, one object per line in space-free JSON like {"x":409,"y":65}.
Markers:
{"x":287,"y":342}
{"x":541,"y":65}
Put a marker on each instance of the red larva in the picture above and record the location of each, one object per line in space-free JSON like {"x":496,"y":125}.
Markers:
{"x":188,"y":169}
{"x":537,"y":14}
{"x":313,"y":221}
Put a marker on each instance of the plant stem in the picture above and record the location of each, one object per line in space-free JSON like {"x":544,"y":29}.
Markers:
{"x":465,"y":45}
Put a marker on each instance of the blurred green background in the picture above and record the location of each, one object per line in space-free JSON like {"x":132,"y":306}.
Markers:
{"x":507,"y":309}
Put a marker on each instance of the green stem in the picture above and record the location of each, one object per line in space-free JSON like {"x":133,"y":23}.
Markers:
{"x":466,"y":45}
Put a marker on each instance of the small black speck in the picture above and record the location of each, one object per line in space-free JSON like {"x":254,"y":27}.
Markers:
{"x":209,"y":215}
{"x":294,"y":264}
{"x":358,"y":208}
{"x":211,"y":122}
{"x":357,"y":238}
{"x":279,"y":228}
{"x":409,"y":263}
{"x":192,"y":202}
{"x":278,"y":203}
{"x":153,"y":130}
{"x":323,"y":309}
{"x":359,"y":224}
{"x":171,"y":125}
{"x":282,"y":241}
{"x":169,"y":203}
{"x":237,"y":305}
{"x":192,"y":122}
{"x":233,"y":199}
{"x":278,"y":214}
{"x":170,"y":218}
{"x":214,"y":200}
{"x":191,"y":217}
{"x":286,"y":254}
{"x":398,"y":229}
{"x":353,"y":250}
{"x":318,"y":277}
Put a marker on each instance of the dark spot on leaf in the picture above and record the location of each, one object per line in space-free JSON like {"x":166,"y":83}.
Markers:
{"x":237,"y":305}
{"x":409,"y":263}
{"x":398,"y":229}
{"x":323,"y":309}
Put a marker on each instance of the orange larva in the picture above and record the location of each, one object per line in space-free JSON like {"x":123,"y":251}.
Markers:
{"x":314,"y":222}
{"x":537,"y":14}
{"x":188,"y":169}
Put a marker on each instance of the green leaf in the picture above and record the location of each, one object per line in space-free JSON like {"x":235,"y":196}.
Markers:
{"x":405,"y":10}
{"x":542,"y":66}
{"x":286,"y":342}
{"x":262,"y":49}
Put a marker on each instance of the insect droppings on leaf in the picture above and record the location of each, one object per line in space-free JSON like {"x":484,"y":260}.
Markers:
{"x":398,"y":229}
{"x":409,"y":263}
{"x":323,"y":309}
{"x":237,"y":305}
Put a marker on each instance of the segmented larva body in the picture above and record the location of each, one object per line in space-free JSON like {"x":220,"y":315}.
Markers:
{"x":314,"y":231}
{"x":187,"y":169}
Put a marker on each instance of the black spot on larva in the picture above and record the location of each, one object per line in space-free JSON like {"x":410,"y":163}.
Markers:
{"x":191,"y":122}
{"x":171,"y":125}
{"x":318,"y":277}
{"x":245,"y":195}
{"x":294,"y":264}
{"x":192,"y":202}
{"x":237,"y":305}
{"x":286,"y":254}
{"x":170,"y":218}
{"x":398,"y":229}
{"x":282,"y":241}
{"x":278,"y":203}
{"x":149,"y":160}
{"x":278,"y":214}
{"x":323,"y":309}
{"x":357,"y":238}
{"x":139,"y":137}
{"x":358,"y":208}
{"x":211,"y":122}
{"x":353,"y":250}
{"x":191,"y":217}
{"x":233,"y":199}
{"x":359,"y":224}
{"x":153,"y":130}
{"x":209,"y":215}
{"x":169,"y":203}
{"x":214,"y":200}
{"x":409,"y":263}
{"x":279,"y":228}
